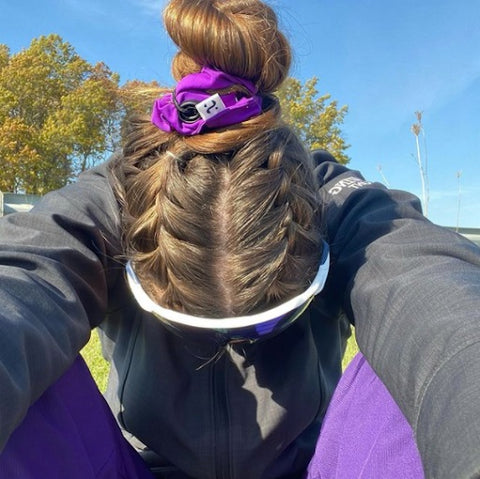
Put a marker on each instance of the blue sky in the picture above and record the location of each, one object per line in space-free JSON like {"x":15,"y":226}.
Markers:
{"x":385,"y":59}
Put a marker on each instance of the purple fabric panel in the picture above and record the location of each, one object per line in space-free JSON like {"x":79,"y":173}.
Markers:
{"x":70,"y":433}
{"x":364,"y":434}
{"x":197,"y":87}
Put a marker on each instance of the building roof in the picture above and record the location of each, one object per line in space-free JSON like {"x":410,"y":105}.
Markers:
{"x":13,"y":202}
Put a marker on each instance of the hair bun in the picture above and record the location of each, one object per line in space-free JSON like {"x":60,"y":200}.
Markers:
{"x":240,"y":37}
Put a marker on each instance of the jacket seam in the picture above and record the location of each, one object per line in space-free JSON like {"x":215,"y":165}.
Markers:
{"x":123,"y":380}
{"x":427,"y":384}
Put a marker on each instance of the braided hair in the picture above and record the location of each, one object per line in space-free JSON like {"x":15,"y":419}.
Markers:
{"x":226,"y":222}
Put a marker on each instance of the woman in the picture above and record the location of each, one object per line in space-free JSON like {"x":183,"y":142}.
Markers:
{"x":201,"y":253}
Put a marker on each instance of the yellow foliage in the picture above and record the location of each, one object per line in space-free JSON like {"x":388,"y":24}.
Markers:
{"x":57,"y":108}
{"x":316,"y":118}
{"x":60,"y":115}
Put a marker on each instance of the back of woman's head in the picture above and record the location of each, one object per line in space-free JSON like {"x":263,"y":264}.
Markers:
{"x":223,"y":222}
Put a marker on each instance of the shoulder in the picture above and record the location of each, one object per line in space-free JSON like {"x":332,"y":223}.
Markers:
{"x":87,"y":204}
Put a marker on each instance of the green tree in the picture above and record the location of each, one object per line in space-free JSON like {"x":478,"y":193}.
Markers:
{"x":60,"y":115}
{"x":316,"y":118}
{"x":82,"y":122}
{"x":136,"y":97}
{"x":4,"y":56}
{"x":55,"y":109}
{"x":18,"y":153}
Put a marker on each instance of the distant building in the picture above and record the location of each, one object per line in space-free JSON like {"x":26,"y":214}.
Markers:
{"x":12,"y":202}
{"x":473,"y":234}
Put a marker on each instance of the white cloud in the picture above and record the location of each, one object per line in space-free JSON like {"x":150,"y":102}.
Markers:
{"x":150,"y":7}
{"x":88,"y":8}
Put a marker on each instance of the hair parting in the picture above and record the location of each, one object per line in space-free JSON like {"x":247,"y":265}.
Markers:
{"x":225,"y":222}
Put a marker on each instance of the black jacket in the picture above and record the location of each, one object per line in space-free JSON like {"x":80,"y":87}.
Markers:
{"x":411,"y":288}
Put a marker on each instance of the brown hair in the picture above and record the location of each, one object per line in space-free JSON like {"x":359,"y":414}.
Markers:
{"x":223,"y":223}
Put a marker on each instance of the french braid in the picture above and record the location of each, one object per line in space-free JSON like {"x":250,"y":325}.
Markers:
{"x":222,"y":223}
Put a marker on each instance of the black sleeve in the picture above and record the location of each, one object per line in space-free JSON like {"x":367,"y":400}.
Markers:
{"x":54,"y":264}
{"x":413,"y":291}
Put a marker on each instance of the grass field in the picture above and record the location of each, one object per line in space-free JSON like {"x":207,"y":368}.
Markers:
{"x":351,"y":350}
{"x":99,"y":367}
{"x":94,"y":359}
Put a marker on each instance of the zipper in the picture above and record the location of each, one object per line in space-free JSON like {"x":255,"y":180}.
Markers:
{"x":221,"y":436}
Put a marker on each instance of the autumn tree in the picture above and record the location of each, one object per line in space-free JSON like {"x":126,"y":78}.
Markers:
{"x":137,"y":97}
{"x":317,"y":119}
{"x":55,"y":109}
{"x":60,"y":115}
{"x":4,"y":56}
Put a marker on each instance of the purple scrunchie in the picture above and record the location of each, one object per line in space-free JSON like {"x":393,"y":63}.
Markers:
{"x":216,"y":111}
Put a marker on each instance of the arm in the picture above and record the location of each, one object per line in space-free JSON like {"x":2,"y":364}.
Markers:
{"x":413,"y":291}
{"x":53,"y":288}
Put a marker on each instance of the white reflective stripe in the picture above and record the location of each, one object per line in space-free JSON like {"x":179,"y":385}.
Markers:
{"x":229,"y":323}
